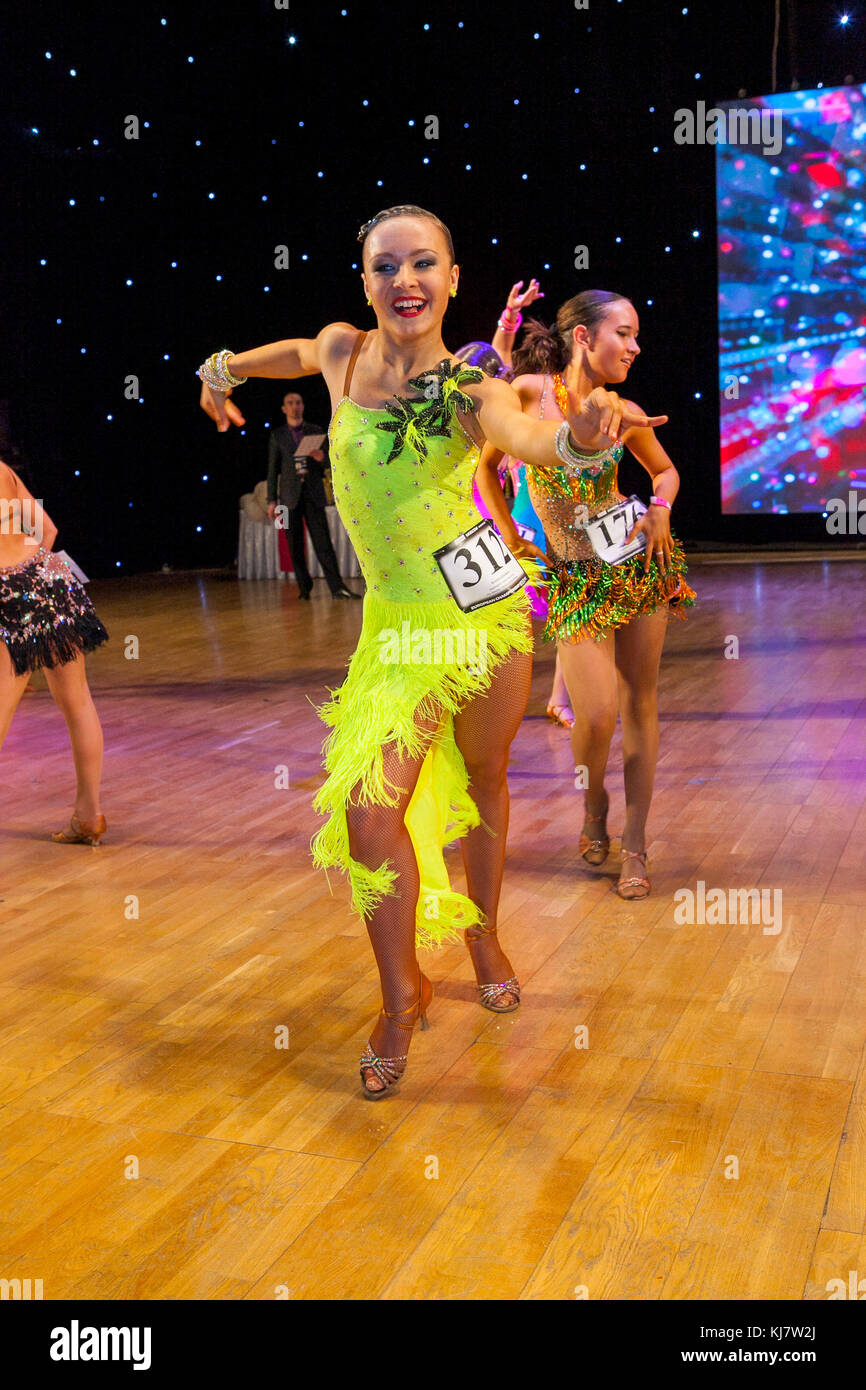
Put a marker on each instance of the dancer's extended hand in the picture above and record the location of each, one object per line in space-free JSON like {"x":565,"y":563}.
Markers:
{"x":220,"y":408}
{"x":517,"y":301}
{"x":523,"y":549}
{"x":656,"y":525}
{"x":604,"y":412}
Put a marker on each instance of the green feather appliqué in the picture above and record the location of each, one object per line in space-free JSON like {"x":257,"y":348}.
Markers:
{"x":440,"y":389}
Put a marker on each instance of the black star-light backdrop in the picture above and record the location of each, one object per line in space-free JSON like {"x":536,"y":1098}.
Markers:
{"x":262,"y":125}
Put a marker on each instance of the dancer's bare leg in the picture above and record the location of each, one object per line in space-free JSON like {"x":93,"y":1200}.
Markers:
{"x":590,"y":676}
{"x":484,"y":730}
{"x":377,"y":833}
{"x":71,"y":694}
{"x":12,"y":687}
{"x":559,"y":705}
{"x":638,"y":654}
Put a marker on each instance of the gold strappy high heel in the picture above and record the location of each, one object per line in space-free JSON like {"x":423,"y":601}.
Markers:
{"x":390,"y":1070}
{"x":489,"y":994}
{"x":641,"y":885}
{"x":81,"y":833}
{"x":595,"y":851}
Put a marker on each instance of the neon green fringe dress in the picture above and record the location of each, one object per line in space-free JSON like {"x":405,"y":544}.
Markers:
{"x":403,"y":487}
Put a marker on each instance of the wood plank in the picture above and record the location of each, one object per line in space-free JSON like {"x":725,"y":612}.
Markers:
{"x":621,"y":1235}
{"x":752,"y":1235}
{"x":601,"y":1166}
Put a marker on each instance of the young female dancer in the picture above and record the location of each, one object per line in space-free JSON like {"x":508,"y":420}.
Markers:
{"x":622,"y":607}
{"x":419,"y":744}
{"x":47,"y":620}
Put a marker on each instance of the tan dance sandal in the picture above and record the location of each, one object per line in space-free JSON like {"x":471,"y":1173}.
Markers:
{"x":594,"y":852}
{"x":490,"y":996}
{"x":638,"y":886}
{"x":561,"y":714}
{"x":81,"y":833}
{"x":389,"y":1070}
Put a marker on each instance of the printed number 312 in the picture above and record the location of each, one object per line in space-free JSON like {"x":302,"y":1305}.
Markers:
{"x":473,"y":566}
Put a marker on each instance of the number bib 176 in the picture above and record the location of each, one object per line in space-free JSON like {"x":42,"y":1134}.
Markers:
{"x":479,"y":568}
{"x":607,"y":531}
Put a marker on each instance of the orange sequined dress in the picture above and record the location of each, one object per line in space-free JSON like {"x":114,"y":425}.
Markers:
{"x":588,"y":598}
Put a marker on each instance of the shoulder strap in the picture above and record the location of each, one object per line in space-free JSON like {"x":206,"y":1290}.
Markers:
{"x":359,"y":342}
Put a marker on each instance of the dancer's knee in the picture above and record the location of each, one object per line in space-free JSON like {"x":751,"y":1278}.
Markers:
{"x":640,"y":704}
{"x":73,"y":705}
{"x":69,"y":689}
{"x":488,"y":772}
{"x":596,"y":723}
{"x":374,"y":832}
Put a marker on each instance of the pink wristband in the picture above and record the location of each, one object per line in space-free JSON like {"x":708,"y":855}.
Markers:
{"x":507,"y":327}
{"x":660,"y":502}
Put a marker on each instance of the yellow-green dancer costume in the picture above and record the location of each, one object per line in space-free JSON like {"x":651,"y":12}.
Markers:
{"x":403,"y":487}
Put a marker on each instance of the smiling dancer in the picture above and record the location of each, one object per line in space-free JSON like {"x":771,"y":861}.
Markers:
{"x":622,"y":607}
{"x":418,"y":750}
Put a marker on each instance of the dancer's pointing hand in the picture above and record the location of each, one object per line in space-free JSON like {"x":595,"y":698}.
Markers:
{"x":607,"y":413}
{"x":217,"y":405}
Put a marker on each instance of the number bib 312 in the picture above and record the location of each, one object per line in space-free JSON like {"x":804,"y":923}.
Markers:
{"x":606,"y":532}
{"x":479,"y":568}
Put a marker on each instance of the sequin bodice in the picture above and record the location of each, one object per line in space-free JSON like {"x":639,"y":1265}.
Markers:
{"x":568,"y":496}
{"x":402,"y":493}
{"x":565,"y":498}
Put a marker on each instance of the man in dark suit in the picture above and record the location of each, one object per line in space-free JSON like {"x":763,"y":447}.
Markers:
{"x":300,"y":485}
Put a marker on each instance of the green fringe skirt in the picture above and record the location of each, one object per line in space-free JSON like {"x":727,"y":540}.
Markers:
{"x":589,"y":598}
{"x":413,"y":661}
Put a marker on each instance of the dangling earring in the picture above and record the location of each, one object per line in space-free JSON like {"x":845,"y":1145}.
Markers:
{"x":369,"y":300}
{"x":453,"y":294}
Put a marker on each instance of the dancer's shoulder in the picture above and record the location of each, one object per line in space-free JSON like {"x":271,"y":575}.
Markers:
{"x":336,"y":341}
{"x":529,"y":387}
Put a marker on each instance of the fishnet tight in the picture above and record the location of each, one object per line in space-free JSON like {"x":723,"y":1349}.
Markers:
{"x":484,"y":730}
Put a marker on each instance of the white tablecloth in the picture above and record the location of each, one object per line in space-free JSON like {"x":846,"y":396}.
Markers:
{"x":259,"y":551}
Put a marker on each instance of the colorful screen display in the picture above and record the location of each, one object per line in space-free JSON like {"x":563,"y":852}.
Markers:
{"x":791,"y":196}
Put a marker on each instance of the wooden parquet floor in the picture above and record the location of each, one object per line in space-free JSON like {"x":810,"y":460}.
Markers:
{"x":677,"y":1111}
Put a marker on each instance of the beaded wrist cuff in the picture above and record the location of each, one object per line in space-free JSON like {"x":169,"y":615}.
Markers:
{"x":565,"y":452}
{"x":215,"y":373}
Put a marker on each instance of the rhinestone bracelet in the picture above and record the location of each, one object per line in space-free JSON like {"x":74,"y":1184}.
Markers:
{"x":215,"y":373}
{"x":565,"y":452}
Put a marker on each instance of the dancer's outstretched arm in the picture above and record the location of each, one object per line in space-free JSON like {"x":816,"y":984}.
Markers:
{"x":290,"y":358}
{"x":509,"y":321}
{"x":501,"y":417}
